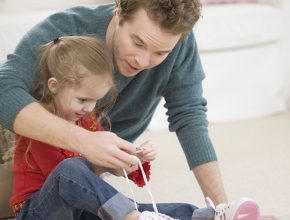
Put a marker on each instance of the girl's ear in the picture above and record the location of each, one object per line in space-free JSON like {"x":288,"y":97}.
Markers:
{"x":52,"y":85}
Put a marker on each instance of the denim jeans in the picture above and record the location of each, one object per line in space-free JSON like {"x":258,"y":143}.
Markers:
{"x":74,"y":191}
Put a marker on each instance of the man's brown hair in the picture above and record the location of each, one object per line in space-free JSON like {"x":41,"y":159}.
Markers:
{"x":175,"y":16}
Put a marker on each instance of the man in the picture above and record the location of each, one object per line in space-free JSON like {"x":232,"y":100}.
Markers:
{"x":155,"y":55}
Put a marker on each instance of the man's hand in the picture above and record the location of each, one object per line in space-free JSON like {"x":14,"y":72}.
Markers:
{"x":106,"y":149}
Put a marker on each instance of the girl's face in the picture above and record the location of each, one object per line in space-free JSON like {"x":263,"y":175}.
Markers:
{"x":73,"y":102}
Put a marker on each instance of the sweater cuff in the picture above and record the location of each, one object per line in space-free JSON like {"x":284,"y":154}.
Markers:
{"x":198,"y":149}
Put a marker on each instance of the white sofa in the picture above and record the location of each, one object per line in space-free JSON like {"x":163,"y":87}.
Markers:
{"x":245,"y":52}
{"x":244,"y":49}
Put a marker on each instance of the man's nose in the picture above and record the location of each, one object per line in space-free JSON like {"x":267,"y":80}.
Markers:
{"x":143,"y":60}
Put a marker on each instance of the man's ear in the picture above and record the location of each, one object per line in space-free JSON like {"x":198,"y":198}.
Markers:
{"x":52,"y":85}
{"x":118,"y":9}
{"x":118,"y":13}
{"x":118,"y":6}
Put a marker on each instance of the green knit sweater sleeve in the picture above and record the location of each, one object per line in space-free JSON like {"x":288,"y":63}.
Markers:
{"x":187,"y":107}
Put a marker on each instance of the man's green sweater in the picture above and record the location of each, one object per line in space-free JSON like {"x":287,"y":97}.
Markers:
{"x":178,"y":79}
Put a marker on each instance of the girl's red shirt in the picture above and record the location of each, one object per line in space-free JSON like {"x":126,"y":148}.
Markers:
{"x":35,"y":160}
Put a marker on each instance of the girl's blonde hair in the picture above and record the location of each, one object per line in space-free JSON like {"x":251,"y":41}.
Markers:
{"x":65,"y":57}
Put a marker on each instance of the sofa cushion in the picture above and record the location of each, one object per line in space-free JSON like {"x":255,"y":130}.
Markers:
{"x":6,"y":185}
{"x":228,"y":26}
{"x":7,"y":140}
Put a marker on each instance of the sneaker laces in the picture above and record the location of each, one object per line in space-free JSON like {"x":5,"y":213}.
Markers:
{"x":147,"y":187}
{"x":220,"y":210}
{"x":147,"y":215}
{"x":154,"y":216}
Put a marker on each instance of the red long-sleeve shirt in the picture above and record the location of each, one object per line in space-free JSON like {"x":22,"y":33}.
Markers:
{"x":32,"y":166}
{"x":35,"y":160}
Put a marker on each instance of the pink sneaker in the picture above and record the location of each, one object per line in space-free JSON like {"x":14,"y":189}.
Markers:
{"x":146,"y":215}
{"x":244,"y":209}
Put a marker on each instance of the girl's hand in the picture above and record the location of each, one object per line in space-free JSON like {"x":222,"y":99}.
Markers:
{"x":146,"y":152}
{"x":130,"y":169}
{"x":100,"y":170}
{"x":116,"y":172}
{"x":120,"y":172}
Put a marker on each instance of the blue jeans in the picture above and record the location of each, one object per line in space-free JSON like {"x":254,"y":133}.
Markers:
{"x":74,"y":191}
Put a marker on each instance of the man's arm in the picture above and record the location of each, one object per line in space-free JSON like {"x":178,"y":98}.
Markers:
{"x":101,"y":148}
{"x":210,"y":181}
{"x":187,"y":117}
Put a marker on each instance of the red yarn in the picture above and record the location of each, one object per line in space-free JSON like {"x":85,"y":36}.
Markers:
{"x":137,"y":177}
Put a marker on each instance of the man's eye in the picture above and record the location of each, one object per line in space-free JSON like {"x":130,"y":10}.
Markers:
{"x":138,"y":44}
{"x":82,"y":100}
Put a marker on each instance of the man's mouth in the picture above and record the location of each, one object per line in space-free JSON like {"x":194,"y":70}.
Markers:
{"x":130,"y":67}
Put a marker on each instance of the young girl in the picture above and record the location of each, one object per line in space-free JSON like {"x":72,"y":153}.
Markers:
{"x":51,"y":183}
{"x":73,"y":74}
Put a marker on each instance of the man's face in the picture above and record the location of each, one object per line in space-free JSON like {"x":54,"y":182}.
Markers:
{"x":140,"y":44}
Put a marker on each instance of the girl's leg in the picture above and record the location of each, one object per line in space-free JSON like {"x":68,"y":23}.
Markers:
{"x":182,"y":211}
{"x":89,"y":216}
{"x":73,"y":188}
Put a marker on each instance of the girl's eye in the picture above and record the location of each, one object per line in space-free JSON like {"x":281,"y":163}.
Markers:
{"x":82,"y":100}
